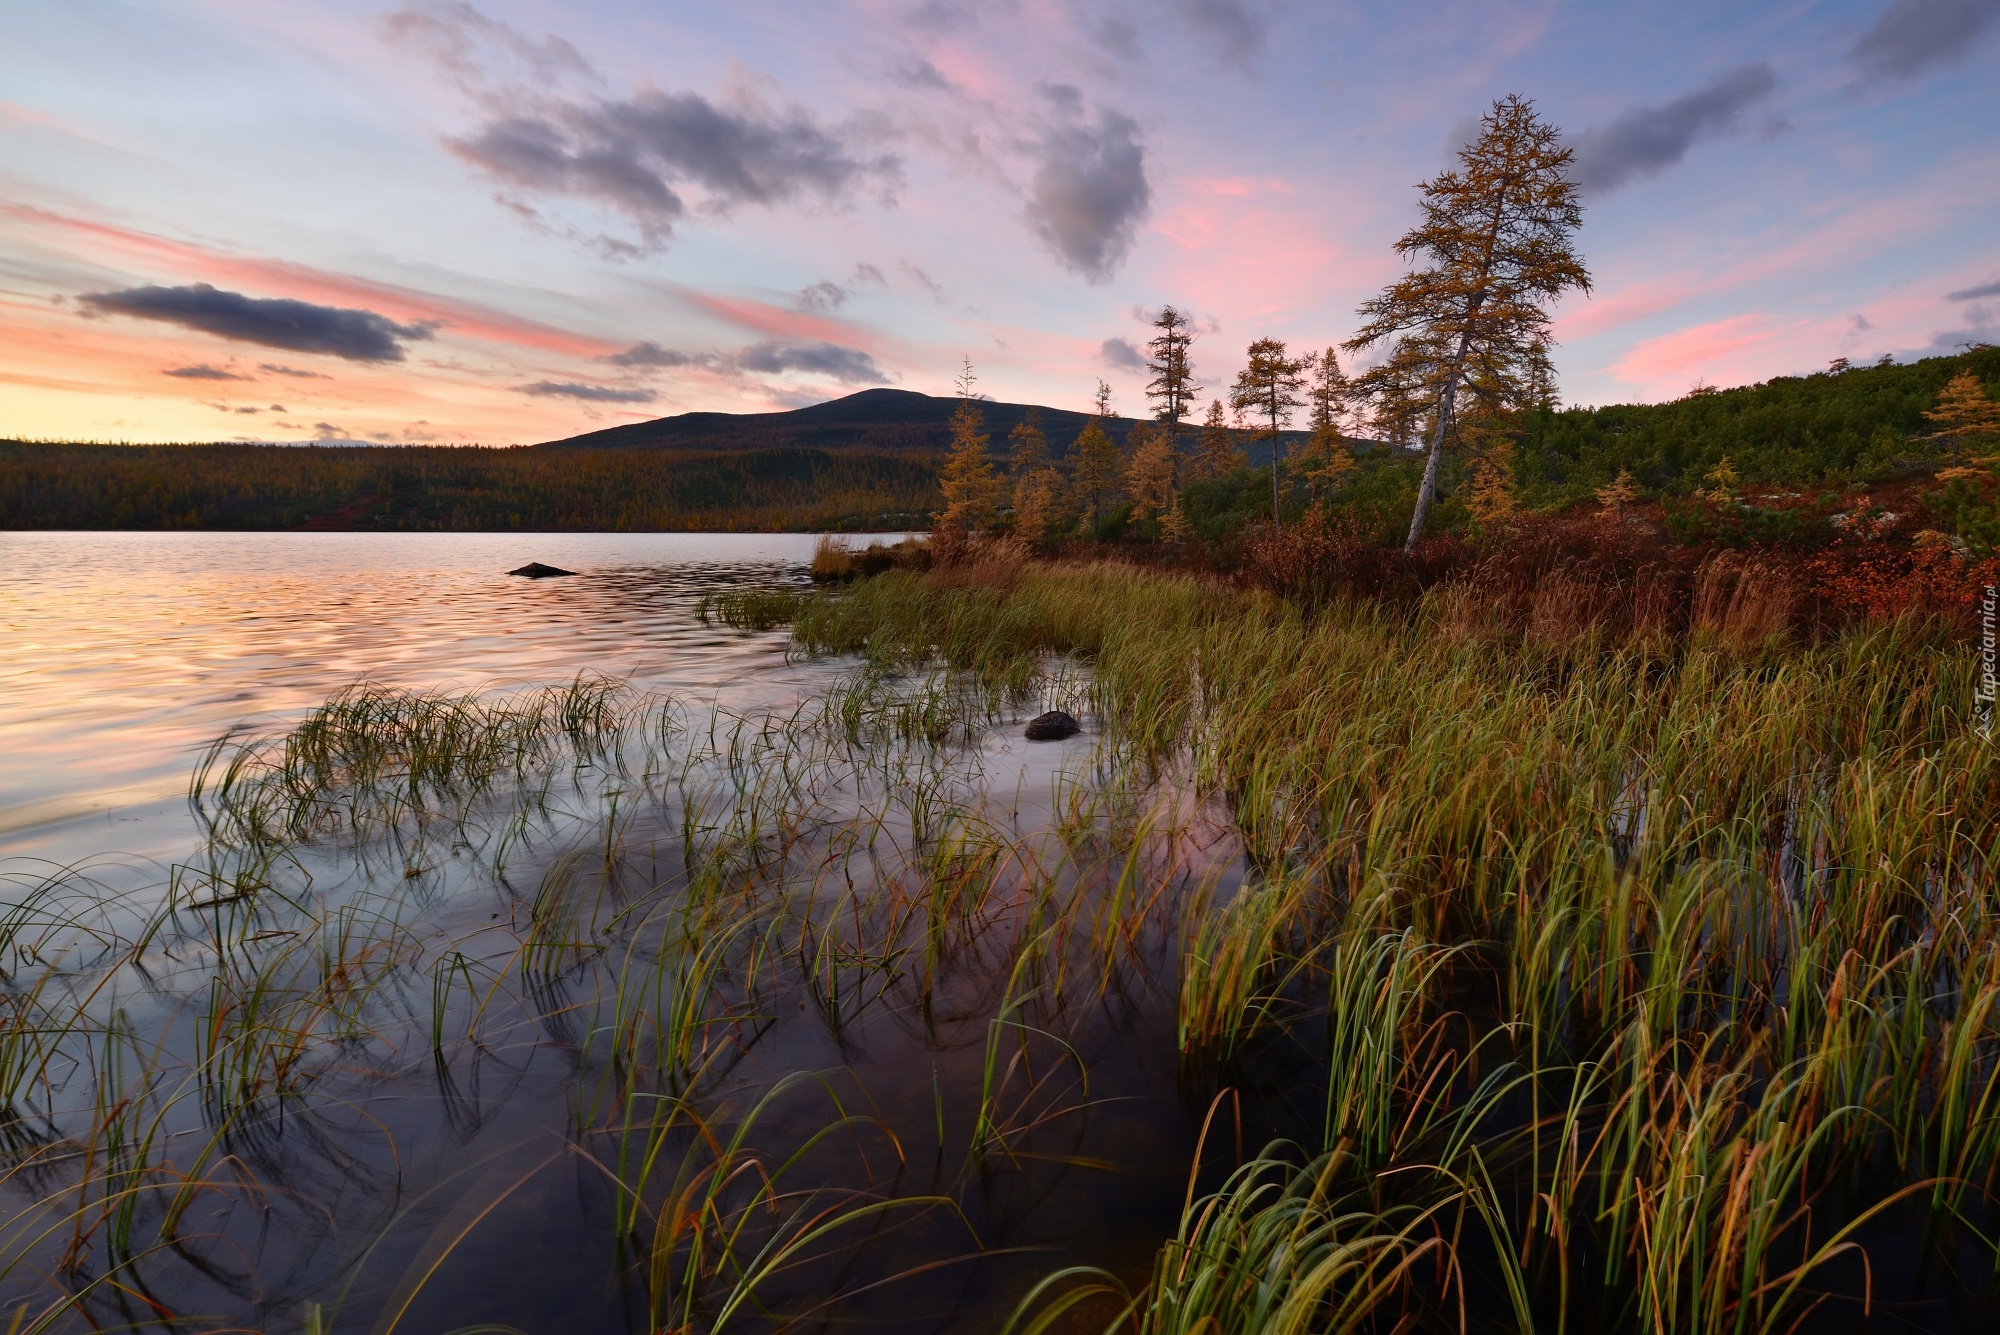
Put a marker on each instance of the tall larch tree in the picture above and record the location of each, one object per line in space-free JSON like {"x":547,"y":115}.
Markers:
{"x":1172,"y":389}
{"x":966,"y":481}
{"x":1150,"y":479}
{"x":1497,"y":246}
{"x":1036,"y":482}
{"x":1268,"y":389}
{"x":1095,"y":465}
{"x":1325,"y":460}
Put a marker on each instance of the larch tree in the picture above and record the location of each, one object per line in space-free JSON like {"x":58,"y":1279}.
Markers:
{"x":1491,"y":500}
{"x":1149,"y":477}
{"x":1327,"y":392}
{"x":1172,"y":388}
{"x":1028,"y":444}
{"x":1216,"y":454}
{"x":1963,"y":413}
{"x":1497,"y":242}
{"x":1615,"y":495}
{"x":1325,"y":460}
{"x":1036,"y":483}
{"x":1095,"y":465}
{"x":1268,"y":388}
{"x":966,"y":481}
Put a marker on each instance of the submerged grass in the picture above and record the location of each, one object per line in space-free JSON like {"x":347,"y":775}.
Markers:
{"x":1586,"y":982}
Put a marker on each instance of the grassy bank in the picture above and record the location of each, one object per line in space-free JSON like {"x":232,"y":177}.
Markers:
{"x":1674,"y":953}
{"x":1425,"y":963}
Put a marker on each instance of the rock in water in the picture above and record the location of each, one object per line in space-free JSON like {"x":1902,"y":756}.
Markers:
{"x":1053,"y":726}
{"x":536,"y":570}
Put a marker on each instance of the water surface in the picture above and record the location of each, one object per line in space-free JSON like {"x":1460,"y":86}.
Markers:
{"x":128,"y":653}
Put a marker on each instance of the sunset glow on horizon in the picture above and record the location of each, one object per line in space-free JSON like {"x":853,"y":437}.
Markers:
{"x":509,"y":220}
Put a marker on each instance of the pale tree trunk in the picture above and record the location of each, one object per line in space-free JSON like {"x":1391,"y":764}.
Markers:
{"x":1428,"y":489}
{"x":1275,"y":521}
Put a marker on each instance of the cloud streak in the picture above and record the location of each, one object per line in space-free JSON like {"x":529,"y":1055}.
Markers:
{"x":1974,"y":293}
{"x":273,"y":322}
{"x":1645,"y":141}
{"x":203,"y":371}
{"x":850,"y":366}
{"x":647,"y":353}
{"x":1912,"y":36}
{"x":571,"y":389}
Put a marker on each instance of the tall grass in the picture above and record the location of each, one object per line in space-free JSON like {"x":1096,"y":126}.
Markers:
{"x":1734,"y":890}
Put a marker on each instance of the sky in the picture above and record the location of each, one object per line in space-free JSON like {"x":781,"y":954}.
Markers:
{"x":504,"y":221}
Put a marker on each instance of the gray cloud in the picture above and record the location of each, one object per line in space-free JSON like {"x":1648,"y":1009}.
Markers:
{"x":1236,"y":32}
{"x":868,"y":273}
{"x":649,"y":353}
{"x":278,"y":368}
{"x":1120,"y":354}
{"x":925,"y":281}
{"x":570,"y":389}
{"x":922,"y":75}
{"x":1913,"y":35}
{"x":1647,"y":140}
{"x":822,"y":297}
{"x":275,"y":322}
{"x":203,"y":371}
{"x":1974,"y":293}
{"x":637,"y":154}
{"x":850,"y":366}
{"x":472,"y":48}
{"x":1089,"y":194}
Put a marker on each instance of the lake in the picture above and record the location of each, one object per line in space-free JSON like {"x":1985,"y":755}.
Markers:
{"x":128,"y":653}
{"x":723,"y":921}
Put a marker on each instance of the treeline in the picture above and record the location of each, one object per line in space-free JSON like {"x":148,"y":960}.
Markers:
{"x":1772,"y":461}
{"x":435,"y":488}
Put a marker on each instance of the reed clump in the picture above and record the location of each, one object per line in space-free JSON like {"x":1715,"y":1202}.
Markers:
{"x":835,"y":562}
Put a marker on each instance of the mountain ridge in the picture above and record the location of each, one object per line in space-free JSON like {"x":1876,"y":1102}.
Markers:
{"x":885,"y":420}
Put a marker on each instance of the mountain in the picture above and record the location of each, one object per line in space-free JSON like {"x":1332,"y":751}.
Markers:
{"x":874,"y":420}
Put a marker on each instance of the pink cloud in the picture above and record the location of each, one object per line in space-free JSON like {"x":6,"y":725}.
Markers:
{"x":761,"y":317}
{"x":1716,"y":350}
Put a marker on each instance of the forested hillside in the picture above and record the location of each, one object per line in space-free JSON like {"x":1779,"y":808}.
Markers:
{"x":874,"y":419}
{"x":437,"y":488}
{"x":1794,"y":430}
{"x":843,"y":465}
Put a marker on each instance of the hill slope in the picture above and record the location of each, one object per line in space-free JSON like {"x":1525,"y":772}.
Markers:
{"x":874,"y":420}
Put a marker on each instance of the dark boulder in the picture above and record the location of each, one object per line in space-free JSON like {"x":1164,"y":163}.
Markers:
{"x":536,"y":570}
{"x":1053,"y":726}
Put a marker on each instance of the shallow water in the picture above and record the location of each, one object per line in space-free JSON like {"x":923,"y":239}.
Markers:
{"x":128,"y":653}
{"x":481,"y":1182}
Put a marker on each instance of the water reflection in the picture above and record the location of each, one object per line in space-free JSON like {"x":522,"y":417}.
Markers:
{"x":128,"y":652}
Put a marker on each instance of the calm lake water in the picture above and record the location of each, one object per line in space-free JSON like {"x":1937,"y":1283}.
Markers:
{"x":128,"y":653}
{"x":455,"y":1154}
